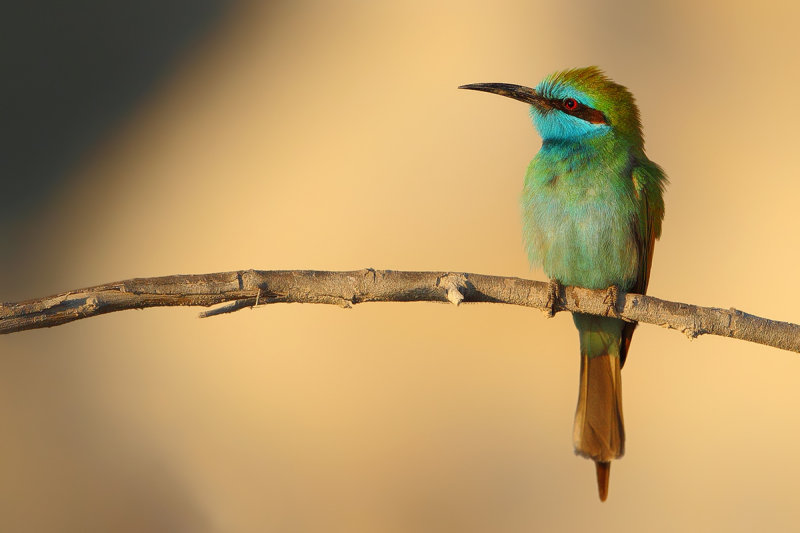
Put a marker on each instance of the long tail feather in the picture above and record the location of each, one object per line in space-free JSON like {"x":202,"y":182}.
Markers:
{"x":603,"y":473}
{"x":599,"y":432}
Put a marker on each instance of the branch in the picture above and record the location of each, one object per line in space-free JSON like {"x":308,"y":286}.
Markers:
{"x":248,"y":288}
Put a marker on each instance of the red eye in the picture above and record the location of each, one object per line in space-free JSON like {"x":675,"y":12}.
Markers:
{"x":570,"y":103}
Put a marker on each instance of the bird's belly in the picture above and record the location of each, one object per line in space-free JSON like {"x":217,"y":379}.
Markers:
{"x":582,"y":238}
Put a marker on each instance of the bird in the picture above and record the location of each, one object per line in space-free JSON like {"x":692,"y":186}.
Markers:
{"x":592,"y":207}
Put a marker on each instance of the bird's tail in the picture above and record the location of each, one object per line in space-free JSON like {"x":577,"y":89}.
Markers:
{"x":599,"y":432}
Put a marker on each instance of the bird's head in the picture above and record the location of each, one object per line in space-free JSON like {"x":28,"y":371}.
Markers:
{"x":575,"y":104}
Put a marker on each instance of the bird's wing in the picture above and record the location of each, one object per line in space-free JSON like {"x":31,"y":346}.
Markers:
{"x":648,"y":186}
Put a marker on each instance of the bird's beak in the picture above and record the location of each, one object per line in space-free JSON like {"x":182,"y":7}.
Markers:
{"x":517,"y":92}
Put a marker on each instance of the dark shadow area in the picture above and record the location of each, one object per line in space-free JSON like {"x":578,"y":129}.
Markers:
{"x":70,"y":71}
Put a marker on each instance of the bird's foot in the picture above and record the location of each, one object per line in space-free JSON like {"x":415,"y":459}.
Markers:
{"x":554,"y":288}
{"x":611,"y":298}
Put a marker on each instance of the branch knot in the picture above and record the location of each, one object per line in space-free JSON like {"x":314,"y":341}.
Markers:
{"x":453,"y":284}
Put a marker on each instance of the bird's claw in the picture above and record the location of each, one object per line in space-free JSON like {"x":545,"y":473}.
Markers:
{"x":612,"y":295}
{"x":553,"y":293}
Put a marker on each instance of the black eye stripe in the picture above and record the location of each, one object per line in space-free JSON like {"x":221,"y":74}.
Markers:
{"x":580,"y":111}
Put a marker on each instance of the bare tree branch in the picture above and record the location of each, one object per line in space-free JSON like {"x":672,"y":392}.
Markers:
{"x":248,"y":288}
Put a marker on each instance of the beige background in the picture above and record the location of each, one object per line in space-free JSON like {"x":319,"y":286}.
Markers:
{"x":330,"y":135}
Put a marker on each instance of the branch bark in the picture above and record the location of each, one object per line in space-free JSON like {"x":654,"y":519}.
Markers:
{"x":249,"y":288}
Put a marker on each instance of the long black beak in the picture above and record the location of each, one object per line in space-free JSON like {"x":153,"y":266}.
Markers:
{"x":517,"y":92}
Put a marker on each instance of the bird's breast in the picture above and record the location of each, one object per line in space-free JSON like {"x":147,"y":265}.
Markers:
{"x":579,"y":222}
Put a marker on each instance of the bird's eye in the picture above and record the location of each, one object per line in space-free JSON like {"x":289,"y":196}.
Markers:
{"x":570,"y":103}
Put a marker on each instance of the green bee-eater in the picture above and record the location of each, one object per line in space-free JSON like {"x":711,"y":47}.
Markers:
{"x":592,"y":208}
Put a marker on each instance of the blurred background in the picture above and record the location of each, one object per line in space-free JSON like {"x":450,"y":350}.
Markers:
{"x":151,"y":138}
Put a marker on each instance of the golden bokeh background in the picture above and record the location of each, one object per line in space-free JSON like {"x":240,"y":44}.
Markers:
{"x":330,"y":135}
